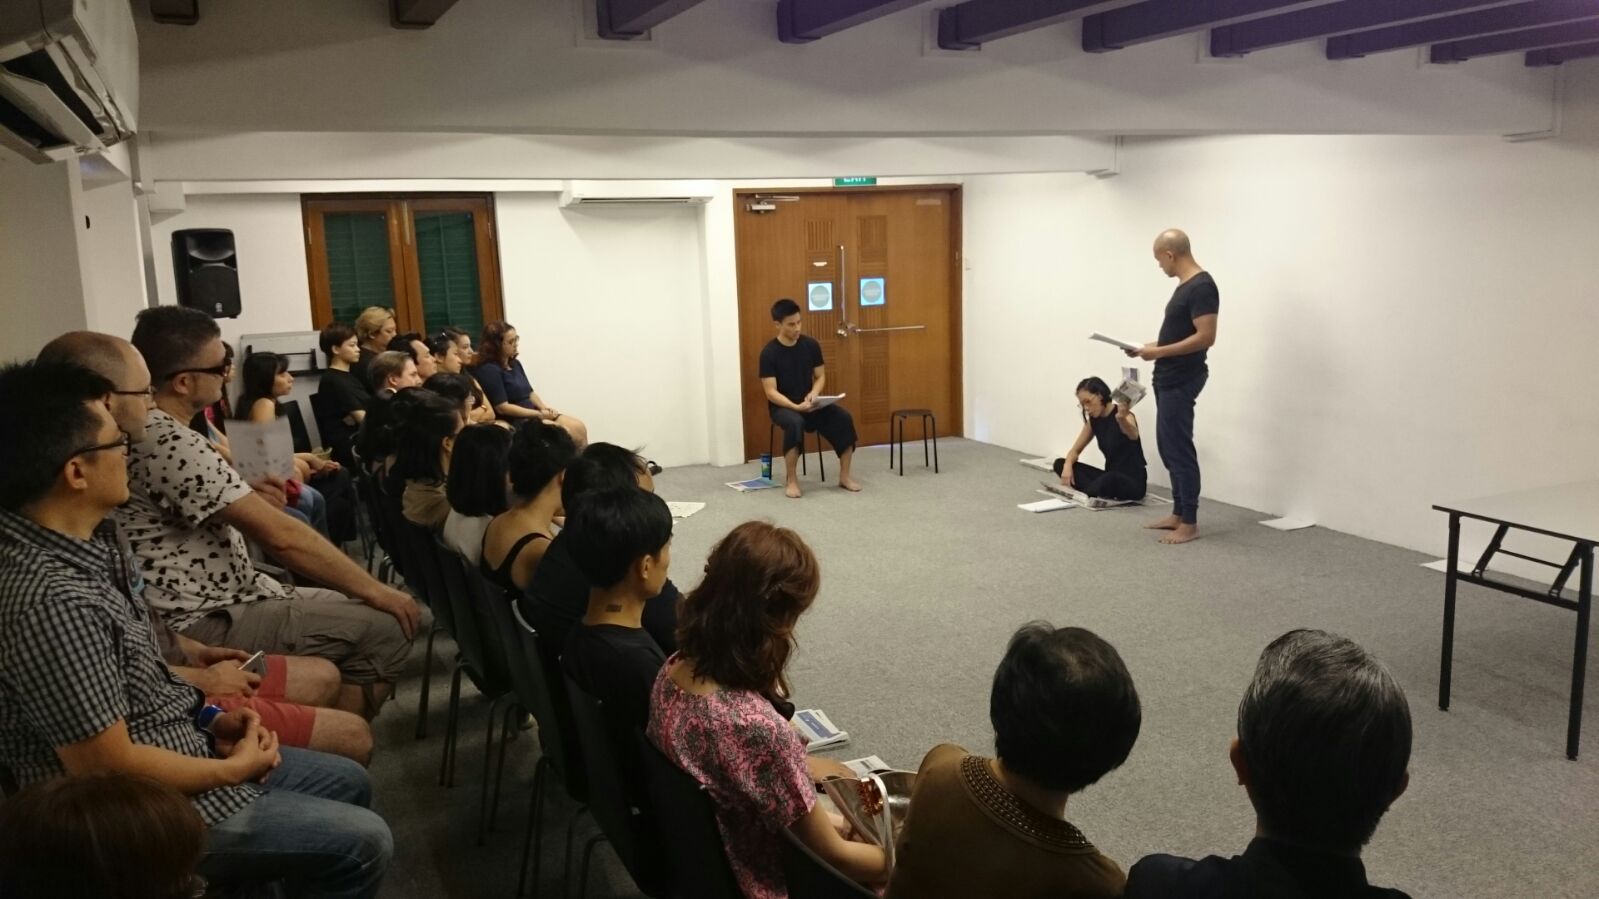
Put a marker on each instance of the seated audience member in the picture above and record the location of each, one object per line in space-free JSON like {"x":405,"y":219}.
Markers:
{"x":1116,"y":430}
{"x":185,"y":518}
{"x":455,"y":388}
{"x":478,"y":488}
{"x":711,"y":712}
{"x":559,"y":593}
{"x":424,"y":437}
{"x":463,"y":339}
{"x":212,"y":421}
{"x":451,"y":360}
{"x":374,"y":328}
{"x":620,"y":539}
{"x":328,"y":500}
{"x":515,"y":540}
{"x":1065,"y":714}
{"x":285,"y":694}
{"x":82,"y":689}
{"x":411,"y":344}
{"x":391,"y":371}
{"x":1323,"y":749}
{"x":111,"y":836}
{"x":505,"y":382}
{"x":792,"y":377}
{"x":342,"y":393}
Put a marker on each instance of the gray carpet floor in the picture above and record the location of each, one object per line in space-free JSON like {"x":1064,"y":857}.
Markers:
{"x":926,"y":576}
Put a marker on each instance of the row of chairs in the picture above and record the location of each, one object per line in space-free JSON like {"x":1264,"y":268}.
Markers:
{"x":671,"y":850}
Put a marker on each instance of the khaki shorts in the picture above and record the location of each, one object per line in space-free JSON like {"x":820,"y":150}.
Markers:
{"x":367,"y":645}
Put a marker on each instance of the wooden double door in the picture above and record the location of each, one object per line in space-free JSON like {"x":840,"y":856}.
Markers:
{"x":877,"y":276}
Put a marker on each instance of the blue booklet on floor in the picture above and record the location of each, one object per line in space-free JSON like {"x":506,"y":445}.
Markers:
{"x":753,"y":484}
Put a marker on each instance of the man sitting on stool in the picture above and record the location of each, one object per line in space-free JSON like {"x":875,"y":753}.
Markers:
{"x":793,"y":377}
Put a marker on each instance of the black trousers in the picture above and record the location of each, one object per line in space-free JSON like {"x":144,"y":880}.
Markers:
{"x":834,"y":423}
{"x":1103,"y":484}
{"x":339,"y":491}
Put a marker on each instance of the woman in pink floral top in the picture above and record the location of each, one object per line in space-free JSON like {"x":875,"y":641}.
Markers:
{"x":712,"y":715}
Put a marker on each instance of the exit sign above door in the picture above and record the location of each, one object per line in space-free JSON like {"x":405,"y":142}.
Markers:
{"x":855,"y":181}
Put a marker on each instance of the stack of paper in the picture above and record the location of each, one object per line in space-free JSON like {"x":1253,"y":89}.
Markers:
{"x":1053,"y":504}
{"x":684,"y":510}
{"x":865,"y":766}
{"x":818,"y":730}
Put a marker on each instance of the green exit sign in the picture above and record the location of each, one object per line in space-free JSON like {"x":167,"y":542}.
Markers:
{"x":855,"y":181}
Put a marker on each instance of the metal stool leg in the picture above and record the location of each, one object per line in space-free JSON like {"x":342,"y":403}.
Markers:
{"x":902,"y":446}
{"x":935,"y":443}
{"x":890,"y":442}
{"x":924,"y":441}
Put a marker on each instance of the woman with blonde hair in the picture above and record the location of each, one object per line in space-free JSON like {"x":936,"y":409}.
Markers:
{"x":374,"y":328}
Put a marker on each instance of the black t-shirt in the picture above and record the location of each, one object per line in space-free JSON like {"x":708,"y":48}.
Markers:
{"x":558,"y":597}
{"x":793,"y":366}
{"x":1195,"y":297}
{"x":1122,"y":454}
{"x":1267,"y":868}
{"x":616,"y":665}
{"x":361,"y":366}
{"x":340,"y":393}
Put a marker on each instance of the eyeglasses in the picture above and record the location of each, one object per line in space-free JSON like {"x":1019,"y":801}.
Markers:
{"x":124,"y":443}
{"x":148,"y":391}
{"x":220,"y":371}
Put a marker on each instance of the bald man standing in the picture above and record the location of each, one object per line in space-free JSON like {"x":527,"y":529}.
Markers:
{"x":1188,"y":330}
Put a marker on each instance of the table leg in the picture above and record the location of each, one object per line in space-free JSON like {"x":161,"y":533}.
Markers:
{"x":1446,"y":660}
{"x":1579,"y":661}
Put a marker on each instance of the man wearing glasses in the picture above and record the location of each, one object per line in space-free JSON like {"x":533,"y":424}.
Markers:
{"x":190,"y":513}
{"x":83,"y":690}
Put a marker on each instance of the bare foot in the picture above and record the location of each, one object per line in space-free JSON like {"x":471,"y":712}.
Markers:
{"x":1183,"y":533}
{"x":1169,"y":523}
{"x":792,"y":491}
{"x":851,"y":485}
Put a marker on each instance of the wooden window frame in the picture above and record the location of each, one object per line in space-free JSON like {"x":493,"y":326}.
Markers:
{"x":405,"y":270}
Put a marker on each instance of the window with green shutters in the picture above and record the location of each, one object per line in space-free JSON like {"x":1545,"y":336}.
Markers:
{"x":432,"y":258}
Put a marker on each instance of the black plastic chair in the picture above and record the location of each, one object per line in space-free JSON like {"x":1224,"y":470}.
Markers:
{"x":690,"y":838}
{"x":290,"y":409}
{"x":809,"y":876}
{"x":626,"y":820}
{"x":821,"y":464}
{"x":424,"y":579}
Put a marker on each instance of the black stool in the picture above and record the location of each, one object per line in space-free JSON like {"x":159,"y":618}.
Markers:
{"x":771,"y":441}
{"x":929,"y":425}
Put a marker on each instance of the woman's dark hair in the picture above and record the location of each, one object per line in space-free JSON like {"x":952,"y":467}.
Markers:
{"x":539,"y":452}
{"x":1064,"y":709}
{"x":46,"y":412}
{"x":256,"y":377}
{"x":405,"y":343}
{"x":111,"y":836}
{"x":1095,"y":386}
{"x":600,"y":466}
{"x":455,"y":388}
{"x":476,"y":483}
{"x":1324,"y":729}
{"x":783,"y":309}
{"x":439,"y":343}
{"x":491,"y":346}
{"x":334,"y":335}
{"x":376,"y":440}
{"x":615,"y":528}
{"x":421,"y":425}
{"x":454,"y":333}
{"x":737,"y":626}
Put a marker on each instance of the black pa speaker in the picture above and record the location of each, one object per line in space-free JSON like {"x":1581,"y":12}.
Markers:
{"x":205,"y":268}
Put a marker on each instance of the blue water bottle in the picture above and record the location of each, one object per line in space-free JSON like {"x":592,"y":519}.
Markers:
{"x":766,"y":466}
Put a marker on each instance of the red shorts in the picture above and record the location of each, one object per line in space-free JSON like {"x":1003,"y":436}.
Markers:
{"x":290,"y":721}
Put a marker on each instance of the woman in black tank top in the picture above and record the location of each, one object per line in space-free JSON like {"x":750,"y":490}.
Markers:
{"x":1116,"y":431}
{"x":515,"y":540}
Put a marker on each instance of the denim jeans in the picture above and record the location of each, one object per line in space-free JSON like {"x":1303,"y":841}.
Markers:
{"x":312,"y":830}
{"x":311,"y":509}
{"x":1174,"y":436}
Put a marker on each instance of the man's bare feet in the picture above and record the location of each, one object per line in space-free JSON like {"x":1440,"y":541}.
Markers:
{"x":1183,"y":533}
{"x":792,"y":491}
{"x":851,"y":485}
{"x":1169,"y":523}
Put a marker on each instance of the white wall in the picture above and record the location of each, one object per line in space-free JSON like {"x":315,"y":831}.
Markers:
{"x":1404,"y":320}
{"x":110,"y":257}
{"x":41,"y":285}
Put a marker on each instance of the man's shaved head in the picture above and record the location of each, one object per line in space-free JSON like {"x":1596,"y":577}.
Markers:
{"x":1173,"y":241}
{"x":116,"y":360}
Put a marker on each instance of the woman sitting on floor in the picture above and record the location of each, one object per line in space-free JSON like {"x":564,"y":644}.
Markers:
{"x":1116,"y":429}
{"x":1065,"y":713}
{"x":478,"y":487}
{"x":516,"y":539}
{"x":424,"y":437}
{"x":712,"y":714}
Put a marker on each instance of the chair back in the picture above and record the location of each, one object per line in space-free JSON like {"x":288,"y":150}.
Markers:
{"x":615,"y":780}
{"x":690,"y":838}
{"x":483,"y":654}
{"x":423,"y":574}
{"x":378,"y":511}
{"x":550,"y":708}
{"x":809,"y":876}
{"x":334,"y":432}
{"x":290,"y":409}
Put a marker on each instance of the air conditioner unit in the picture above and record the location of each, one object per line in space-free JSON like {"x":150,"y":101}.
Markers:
{"x":632,"y":193}
{"x":69,"y":77}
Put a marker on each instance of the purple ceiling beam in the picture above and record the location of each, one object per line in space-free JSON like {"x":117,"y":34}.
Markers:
{"x":1554,"y":56}
{"x":966,"y":26}
{"x":1334,"y":18}
{"x":627,"y":19}
{"x":1467,"y":25}
{"x":803,"y":21}
{"x":1515,"y":41}
{"x":1156,"y":19}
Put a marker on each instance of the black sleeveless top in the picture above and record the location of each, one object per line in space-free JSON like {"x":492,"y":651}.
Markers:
{"x":501,"y":576}
{"x":1122,"y":455}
